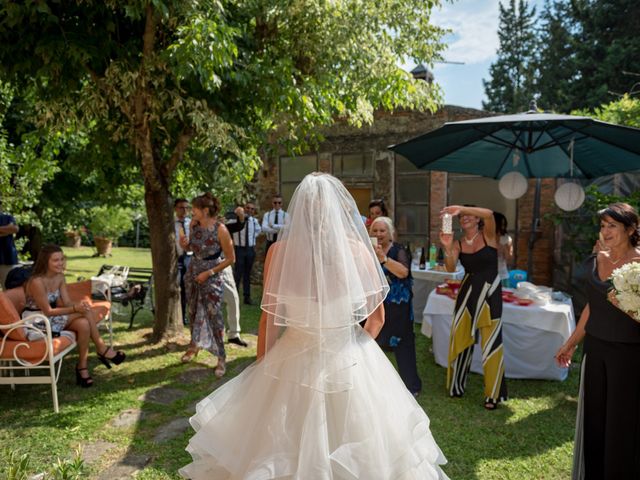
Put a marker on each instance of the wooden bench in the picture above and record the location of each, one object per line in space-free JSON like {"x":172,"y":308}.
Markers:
{"x":139,"y":285}
{"x":44,"y":356}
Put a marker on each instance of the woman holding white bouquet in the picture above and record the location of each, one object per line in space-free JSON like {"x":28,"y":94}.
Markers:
{"x":607,"y":443}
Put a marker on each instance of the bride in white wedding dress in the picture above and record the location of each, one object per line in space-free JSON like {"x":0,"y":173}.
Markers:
{"x":324,"y":402}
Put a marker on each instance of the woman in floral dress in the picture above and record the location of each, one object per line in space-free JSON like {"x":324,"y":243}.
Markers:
{"x":212,"y":249}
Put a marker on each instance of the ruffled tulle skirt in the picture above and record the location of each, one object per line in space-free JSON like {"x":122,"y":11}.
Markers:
{"x":259,"y":427}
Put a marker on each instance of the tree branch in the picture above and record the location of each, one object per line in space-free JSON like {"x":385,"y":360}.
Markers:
{"x":149,"y":35}
{"x":178,"y":152}
{"x":109,"y":92}
{"x":142,"y":136}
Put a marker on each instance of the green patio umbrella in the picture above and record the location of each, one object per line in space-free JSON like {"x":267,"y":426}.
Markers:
{"x":538,"y":145}
{"x":487,"y":146}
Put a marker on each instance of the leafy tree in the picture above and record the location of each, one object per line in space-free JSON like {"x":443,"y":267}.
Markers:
{"x":555,"y":59}
{"x":47,"y":175}
{"x":607,"y":46}
{"x":26,"y":162}
{"x":625,"y":111}
{"x":511,"y":86}
{"x":580,"y":227}
{"x":29,"y":158}
{"x":178,"y":89}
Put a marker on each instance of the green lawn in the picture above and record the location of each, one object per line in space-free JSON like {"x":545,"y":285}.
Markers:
{"x":82,"y":263}
{"x":529,"y":437}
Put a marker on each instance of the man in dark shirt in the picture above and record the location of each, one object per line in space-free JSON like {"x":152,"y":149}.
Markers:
{"x":8,"y":252}
{"x":182,"y":223}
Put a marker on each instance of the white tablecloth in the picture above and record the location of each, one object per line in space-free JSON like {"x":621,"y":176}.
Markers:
{"x":424,"y":281}
{"x":531,"y":336}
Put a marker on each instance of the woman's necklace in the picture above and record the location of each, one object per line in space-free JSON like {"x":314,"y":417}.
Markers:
{"x":470,"y":242}
{"x":624,"y":255}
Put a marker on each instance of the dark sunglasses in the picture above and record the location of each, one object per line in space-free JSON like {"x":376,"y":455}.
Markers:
{"x":277,"y":203}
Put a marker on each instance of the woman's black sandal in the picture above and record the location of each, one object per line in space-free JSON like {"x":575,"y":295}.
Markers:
{"x":84,"y":382}
{"x":117,"y":359}
{"x":490,"y":405}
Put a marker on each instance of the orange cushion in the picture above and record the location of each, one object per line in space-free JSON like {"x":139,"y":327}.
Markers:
{"x":79,"y":290}
{"x":16,"y":295}
{"x":31,"y":351}
{"x":9,"y":314}
{"x":101,"y":308}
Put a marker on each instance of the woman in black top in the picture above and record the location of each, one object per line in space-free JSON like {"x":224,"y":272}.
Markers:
{"x":607,"y":442}
{"x":478,"y":309}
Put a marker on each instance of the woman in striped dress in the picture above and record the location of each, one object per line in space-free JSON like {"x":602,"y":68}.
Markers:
{"x":478,"y":307}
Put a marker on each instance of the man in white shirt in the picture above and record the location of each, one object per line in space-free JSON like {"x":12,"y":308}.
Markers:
{"x":234,"y":224}
{"x":244,"y":243}
{"x":182,"y":222}
{"x":274,"y":220}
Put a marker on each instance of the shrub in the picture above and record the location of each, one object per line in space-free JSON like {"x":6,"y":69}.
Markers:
{"x":110,"y":222}
{"x":16,"y":466}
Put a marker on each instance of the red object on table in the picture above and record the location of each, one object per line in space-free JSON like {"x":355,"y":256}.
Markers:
{"x":448,"y":290}
{"x":524,"y":302}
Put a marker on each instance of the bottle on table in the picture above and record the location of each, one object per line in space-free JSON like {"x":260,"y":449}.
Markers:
{"x":440,"y":256}
{"x":423,"y":260}
{"x":433,"y":251}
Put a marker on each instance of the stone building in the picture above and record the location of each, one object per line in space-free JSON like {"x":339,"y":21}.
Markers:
{"x":361,"y":159}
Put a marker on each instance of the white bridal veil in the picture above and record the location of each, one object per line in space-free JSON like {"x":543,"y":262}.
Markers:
{"x":323,"y":279}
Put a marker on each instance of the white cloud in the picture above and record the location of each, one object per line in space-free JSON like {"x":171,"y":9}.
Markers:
{"x":474,"y":26}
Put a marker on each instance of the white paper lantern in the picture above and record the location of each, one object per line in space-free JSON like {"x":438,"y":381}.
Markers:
{"x":569,"y":196}
{"x":513,"y":185}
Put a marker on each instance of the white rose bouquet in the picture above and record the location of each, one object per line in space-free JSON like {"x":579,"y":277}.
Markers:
{"x":625,"y":293}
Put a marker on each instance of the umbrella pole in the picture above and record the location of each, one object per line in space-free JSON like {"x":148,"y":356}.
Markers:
{"x":535,"y":219}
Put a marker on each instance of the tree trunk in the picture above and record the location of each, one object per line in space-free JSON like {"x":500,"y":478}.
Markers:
{"x":168,"y":317}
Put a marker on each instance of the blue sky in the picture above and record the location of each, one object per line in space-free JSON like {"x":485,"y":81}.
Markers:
{"x":474,"y":41}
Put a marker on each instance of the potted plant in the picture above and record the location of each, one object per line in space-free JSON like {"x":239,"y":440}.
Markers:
{"x":73,"y":236}
{"x":107,"y":224}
